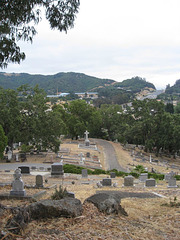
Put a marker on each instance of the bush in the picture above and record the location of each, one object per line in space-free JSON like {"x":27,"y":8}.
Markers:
{"x":68,"y":168}
{"x":98,"y":171}
{"x":59,"y":194}
{"x":156,"y":176}
{"x":177,"y":177}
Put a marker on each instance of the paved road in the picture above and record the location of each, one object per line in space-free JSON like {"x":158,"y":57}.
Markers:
{"x":111,"y":161}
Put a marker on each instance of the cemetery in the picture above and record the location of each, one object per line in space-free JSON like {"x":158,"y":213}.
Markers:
{"x":132,"y":199}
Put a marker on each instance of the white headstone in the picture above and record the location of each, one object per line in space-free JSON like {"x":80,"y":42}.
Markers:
{"x":17,"y":184}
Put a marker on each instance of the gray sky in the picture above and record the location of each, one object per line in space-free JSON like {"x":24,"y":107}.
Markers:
{"x":115,"y":39}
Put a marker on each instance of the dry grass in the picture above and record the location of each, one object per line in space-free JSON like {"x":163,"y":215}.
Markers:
{"x":150,"y":219}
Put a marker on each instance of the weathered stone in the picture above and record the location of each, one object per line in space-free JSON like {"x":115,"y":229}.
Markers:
{"x":129,"y":181}
{"x":150,"y":182}
{"x":172,"y":183}
{"x":112,"y":174}
{"x":57,"y":169}
{"x":143,"y":177}
{"x":24,"y":169}
{"x":106,"y":182}
{"x":84,"y":173}
{"x":66,"y":207}
{"x":107,"y":203}
{"x":39,"y":181}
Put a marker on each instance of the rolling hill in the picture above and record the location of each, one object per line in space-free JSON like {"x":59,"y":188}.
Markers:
{"x":62,"y":82}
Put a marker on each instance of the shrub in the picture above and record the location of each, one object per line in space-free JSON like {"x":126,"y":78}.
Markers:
{"x":156,"y":176}
{"x":177,"y":177}
{"x":59,"y":194}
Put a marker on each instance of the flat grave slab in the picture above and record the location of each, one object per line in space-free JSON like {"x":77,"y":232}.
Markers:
{"x":122,"y":194}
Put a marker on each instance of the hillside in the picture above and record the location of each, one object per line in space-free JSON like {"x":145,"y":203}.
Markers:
{"x":135,"y":84}
{"x":63,"y":82}
{"x":174,"y":89}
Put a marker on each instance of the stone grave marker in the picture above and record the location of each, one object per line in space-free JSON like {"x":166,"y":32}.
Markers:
{"x":84,"y":173}
{"x":41,"y":168}
{"x":170,"y":175}
{"x":143,"y":177}
{"x":88,"y":155}
{"x":112,"y":174}
{"x":17,"y":184}
{"x":39,"y":181}
{"x":129,"y":181}
{"x":9,"y":155}
{"x":106,"y":182}
{"x":172,"y":183}
{"x":87,"y":142}
{"x":150,"y":182}
{"x":57,"y":169}
{"x":33,"y":168}
{"x":25,"y":169}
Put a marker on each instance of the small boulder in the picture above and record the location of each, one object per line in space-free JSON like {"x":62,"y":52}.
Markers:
{"x":66,"y":207}
{"x":107,"y":203}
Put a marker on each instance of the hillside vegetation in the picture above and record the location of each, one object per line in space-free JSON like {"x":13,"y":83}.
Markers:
{"x":63,"y":82}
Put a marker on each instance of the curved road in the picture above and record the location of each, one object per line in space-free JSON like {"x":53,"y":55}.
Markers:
{"x":111,"y":161}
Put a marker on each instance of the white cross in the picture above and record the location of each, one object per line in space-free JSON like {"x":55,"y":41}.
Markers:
{"x":86,"y":133}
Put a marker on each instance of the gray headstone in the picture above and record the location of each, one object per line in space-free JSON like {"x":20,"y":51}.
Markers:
{"x":150,"y":182}
{"x":33,"y":168}
{"x":70,"y":194}
{"x":129,"y":181}
{"x":17,"y":184}
{"x":84,"y":173}
{"x":39,"y":181}
{"x":41,"y":168}
{"x":106,"y":182}
{"x":170,"y":175}
{"x":24,"y":169}
{"x":172,"y":183}
{"x":112,"y":174}
{"x":143,"y":177}
{"x":57,"y":169}
{"x":88,"y":154}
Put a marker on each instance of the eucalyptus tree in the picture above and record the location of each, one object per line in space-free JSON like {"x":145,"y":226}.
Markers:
{"x":10,"y":118}
{"x":3,"y":141}
{"x":18,"y":18}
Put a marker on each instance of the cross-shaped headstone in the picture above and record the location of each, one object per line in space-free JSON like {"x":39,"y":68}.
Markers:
{"x":86,"y":133}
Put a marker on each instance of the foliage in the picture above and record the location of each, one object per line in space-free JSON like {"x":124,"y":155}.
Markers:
{"x":59,"y":194}
{"x":134,"y":84}
{"x":65,"y":82}
{"x":26,"y":148}
{"x":139,"y":169}
{"x":3,"y":141}
{"x":17,"y":18}
{"x":172,"y":203}
{"x":68,"y":168}
{"x":177,"y":177}
{"x":156,"y":176}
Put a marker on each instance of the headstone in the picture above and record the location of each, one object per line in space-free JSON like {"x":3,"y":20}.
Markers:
{"x":33,"y":168}
{"x":81,"y":159}
{"x":71,"y":194}
{"x":84,"y":173}
{"x":39,"y":181}
{"x":88,"y":154}
{"x":17,"y":184}
{"x":112,"y":174}
{"x":57,"y":169}
{"x":150,"y":182}
{"x":129,"y":181}
{"x":23,"y":157}
{"x":170,"y":175}
{"x":41,"y":168}
{"x":17,"y":157}
{"x":172,"y":183}
{"x":106,"y":182}
{"x":87,"y":143}
{"x":9,"y":155}
{"x":24,"y":169}
{"x":143,"y":177}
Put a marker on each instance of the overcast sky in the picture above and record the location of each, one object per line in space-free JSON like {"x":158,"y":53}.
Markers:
{"x":115,"y":39}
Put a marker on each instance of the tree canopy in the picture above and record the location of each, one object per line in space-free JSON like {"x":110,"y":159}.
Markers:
{"x":17,"y":20}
